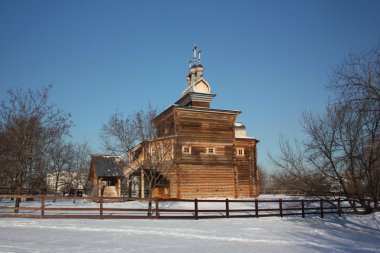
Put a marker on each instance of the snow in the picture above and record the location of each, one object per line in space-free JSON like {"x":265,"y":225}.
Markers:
{"x":348,"y":233}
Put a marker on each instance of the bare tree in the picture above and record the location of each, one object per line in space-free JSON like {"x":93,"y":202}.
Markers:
{"x":60,"y":156}
{"x":357,"y":80}
{"x":121,"y":133}
{"x":148,"y":156}
{"x":295,"y":173}
{"x":28,"y":125}
{"x":342,"y":152}
{"x":67,"y":167}
{"x":263,"y":179}
{"x":79,"y":166}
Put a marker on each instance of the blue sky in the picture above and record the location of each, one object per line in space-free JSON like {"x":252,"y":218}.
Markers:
{"x":269,"y":59}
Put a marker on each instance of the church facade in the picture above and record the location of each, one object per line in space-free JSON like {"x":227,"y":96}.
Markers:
{"x":210,"y":153}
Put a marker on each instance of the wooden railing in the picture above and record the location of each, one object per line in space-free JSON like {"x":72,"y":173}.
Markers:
{"x":102,"y":208}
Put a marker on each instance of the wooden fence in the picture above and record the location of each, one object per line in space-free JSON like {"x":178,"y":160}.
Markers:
{"x":102,"y":208}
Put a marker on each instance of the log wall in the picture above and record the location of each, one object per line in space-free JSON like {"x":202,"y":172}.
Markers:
{"x":200,"y":174}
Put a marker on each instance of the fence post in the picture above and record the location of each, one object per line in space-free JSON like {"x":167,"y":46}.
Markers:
{"x":157,"y":210}
{"x":227,"y":209}
{"x":321,"y":208}
{"x":42,"y":206}
{"x":101,"y":207}
{"x":339,"y":211}
{"x":303,"y":208}
{"x":196,"y":209}
{"x":257,"y":208}
{"x":280,"y":203}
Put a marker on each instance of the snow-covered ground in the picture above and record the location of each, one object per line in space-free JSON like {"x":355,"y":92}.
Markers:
{"x":331,"y":234}
{"x":348,"y":233}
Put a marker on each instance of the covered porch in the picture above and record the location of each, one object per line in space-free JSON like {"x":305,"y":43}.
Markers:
{"x":106,"y":176}
{"x":140,"y":181}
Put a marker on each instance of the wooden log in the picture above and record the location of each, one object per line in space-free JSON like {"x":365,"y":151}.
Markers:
{"x":101,"y":207}
{"x":42,"y":206}
{"x":257,"y":208}
{"x":321,"y":208}
{"x":227,"y":209}
{"x":157,"y":209}
{"x":339,"y":210}
{"x":196,"y":209}
{"x":303,"y":208}
{"x":80,"y":209}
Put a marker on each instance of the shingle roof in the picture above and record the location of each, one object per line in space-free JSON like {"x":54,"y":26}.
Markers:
{"x":107,"y":166}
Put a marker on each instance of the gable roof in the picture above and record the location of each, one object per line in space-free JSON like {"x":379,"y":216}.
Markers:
{"x":193,"y":87}
{"x":107,"y":166}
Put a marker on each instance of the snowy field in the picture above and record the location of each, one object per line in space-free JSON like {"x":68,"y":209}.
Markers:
{"x":348,"y":233}
{"x":331,"y":234}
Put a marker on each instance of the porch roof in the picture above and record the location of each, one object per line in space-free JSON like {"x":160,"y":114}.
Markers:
{"x":106,"y":166}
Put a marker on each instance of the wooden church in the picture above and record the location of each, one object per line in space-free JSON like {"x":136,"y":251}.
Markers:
{"x":210,"y":154}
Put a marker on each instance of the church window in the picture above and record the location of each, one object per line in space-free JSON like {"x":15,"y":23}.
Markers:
{"x":210,"y":150}
{"x":186,"y":150}
{"x":240,"y":151}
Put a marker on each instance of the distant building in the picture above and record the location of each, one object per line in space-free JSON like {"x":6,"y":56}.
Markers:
{"x":211,"y":155}
{"x":64,"y":181}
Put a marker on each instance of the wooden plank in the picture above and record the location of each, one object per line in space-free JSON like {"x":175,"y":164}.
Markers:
{"x":243,"y":210}
{"x":20,"y":208}
{"x":80,"y":209}
{"x":303,"y":209}
{"x":211,"y":216}
{"x":101,"y":208}
{"x":124,"y":209}
{"x":71,"y":216}
{"x":42,"y":206}
{"x":177,"y":217}
{"x":227,"y":209}
{"x":175,"y":210}
{"x":157,"y":209}
{"x":212,"y":210}
{"x":196,"y":209}
{"x":321,"y":205}
{"x":118,"y":216}
{"x":257,"y":208}
{"x":19,"y":215}
{"x":339,"y":210}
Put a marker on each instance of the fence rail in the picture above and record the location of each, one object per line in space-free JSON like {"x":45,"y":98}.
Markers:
{"x":137,"y":208}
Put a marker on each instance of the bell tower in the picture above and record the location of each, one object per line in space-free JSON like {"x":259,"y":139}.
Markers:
{"x":198,"y":90}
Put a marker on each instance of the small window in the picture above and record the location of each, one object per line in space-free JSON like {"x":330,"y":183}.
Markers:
{"x":186,"y":150}
{"x":210,"y":150}
{"x":240,"y":151}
